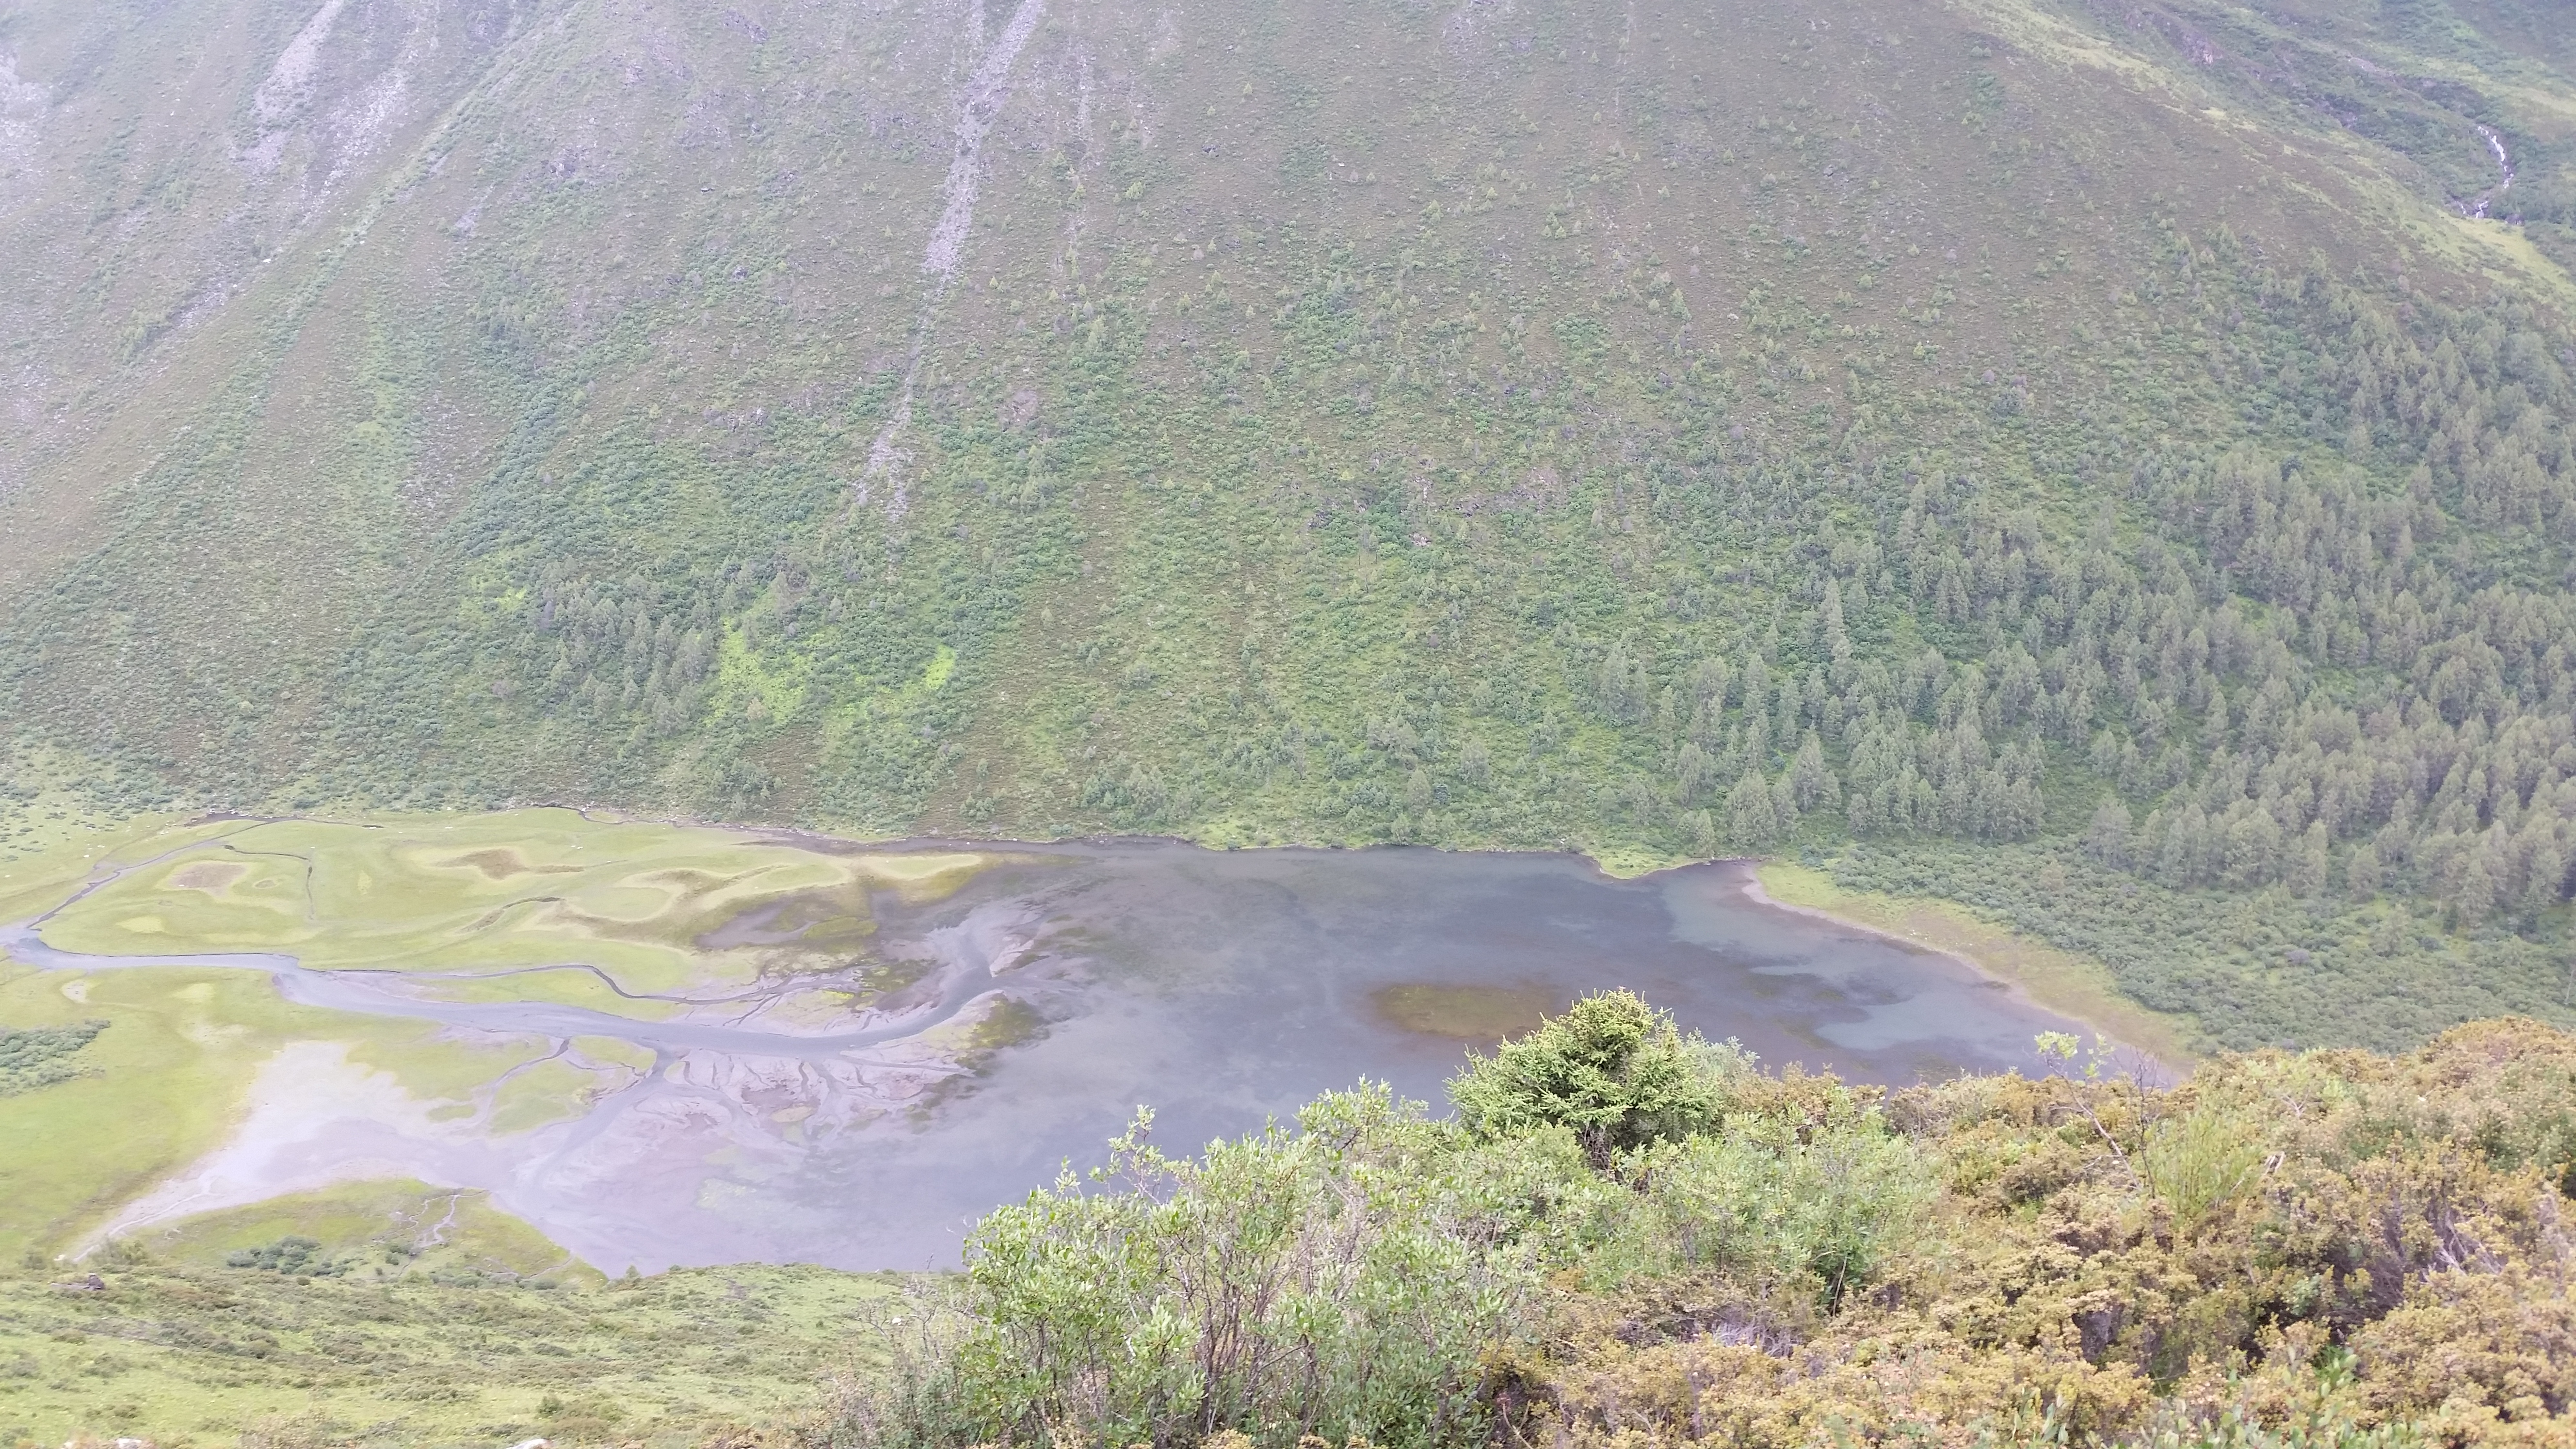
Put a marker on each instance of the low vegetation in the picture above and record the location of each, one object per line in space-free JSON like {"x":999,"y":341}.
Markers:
{"x":170,"y":1076}
{"x":2239,"y":969}
{"x":1625,"y":1236}
{"x":142,"y":1071}
{"x":43,"y":1055}
{"x":190,"y":1354}
{"x":1631,"y":1238}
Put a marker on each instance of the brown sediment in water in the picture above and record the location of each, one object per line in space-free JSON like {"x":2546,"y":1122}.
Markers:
{"x":1464,"y":1013}
{"x":833,"y":923}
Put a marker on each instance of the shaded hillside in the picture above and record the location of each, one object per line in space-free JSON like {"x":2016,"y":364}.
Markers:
{"x":1666,"y":432}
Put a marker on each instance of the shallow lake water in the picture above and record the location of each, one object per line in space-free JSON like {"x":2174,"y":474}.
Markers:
{"x":1219,"y":988}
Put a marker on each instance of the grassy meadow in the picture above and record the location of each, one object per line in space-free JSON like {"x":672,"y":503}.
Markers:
{"x":453,"y":1346}
{"x":384,"y":1312}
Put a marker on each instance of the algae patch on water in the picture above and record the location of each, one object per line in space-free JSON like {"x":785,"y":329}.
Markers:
{"x":1463,"y":1012}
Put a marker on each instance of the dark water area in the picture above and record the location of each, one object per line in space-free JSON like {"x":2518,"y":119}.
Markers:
{"x":1221,"y":989}
{"x":1225,"y":988}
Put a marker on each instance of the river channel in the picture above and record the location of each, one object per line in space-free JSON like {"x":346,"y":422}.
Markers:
{"x":1218,"y":988}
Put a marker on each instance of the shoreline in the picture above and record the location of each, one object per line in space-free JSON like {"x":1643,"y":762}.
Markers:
{"x":2094,"y":1004}
{"x":2171,"y":1061}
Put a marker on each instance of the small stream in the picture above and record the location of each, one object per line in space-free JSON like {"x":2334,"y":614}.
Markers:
{"x":2484,"y":201}
{"x":1221,"y":988}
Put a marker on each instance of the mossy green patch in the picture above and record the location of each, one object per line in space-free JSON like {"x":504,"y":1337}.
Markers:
{"x":568,"y":986}
{"x":548,"y":1091}
{"x":439,"y":1068}
{"x":611,"y":1051}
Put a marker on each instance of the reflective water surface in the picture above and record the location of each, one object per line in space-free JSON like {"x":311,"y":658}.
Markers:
{"x":1220,"y":988}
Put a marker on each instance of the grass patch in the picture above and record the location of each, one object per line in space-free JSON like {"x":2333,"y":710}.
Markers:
{"x":383,"y":1230}
{"x":162,"y":1084}
{"x":180,"y":1351}
{"x":515,"y":904}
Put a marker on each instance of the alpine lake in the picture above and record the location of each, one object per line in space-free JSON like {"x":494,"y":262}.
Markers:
{"x":664,"y":1045}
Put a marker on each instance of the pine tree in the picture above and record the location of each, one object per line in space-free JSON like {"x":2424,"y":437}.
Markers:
{"x":2306,"y":876}
{"x":2361,"y":873}
{"x":2107,"y":838}
{"x":1750,"y":818}
{"x":1812,"y":782}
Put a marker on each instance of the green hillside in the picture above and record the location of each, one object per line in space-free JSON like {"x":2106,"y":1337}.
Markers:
{"x":2112,"y":466}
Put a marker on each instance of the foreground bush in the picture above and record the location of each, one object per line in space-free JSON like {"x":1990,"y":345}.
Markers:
{"x":1634,"y":1238}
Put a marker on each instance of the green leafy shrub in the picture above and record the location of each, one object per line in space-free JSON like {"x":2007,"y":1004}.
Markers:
{"x":2198,"y":1163}
{"x":42,"y":1056}
{"x":292,"y":1257}
{"x":1772,"y":1206}
{"x":1343,"y":1278}
{"x":1612,"y":1070}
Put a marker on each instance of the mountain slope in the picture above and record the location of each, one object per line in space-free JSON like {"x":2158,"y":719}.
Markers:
{"x":1667,"y":432}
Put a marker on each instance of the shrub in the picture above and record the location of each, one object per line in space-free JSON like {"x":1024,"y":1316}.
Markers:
{"x":1767,"y":1208}
{"x":1340,"y":1279}
{"x":1613,"y":1070}
{"x":2198,"y":1164}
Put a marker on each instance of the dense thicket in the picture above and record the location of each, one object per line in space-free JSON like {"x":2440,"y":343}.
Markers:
{"x":41,"y":1056}
{"x":2321,"y":1249}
